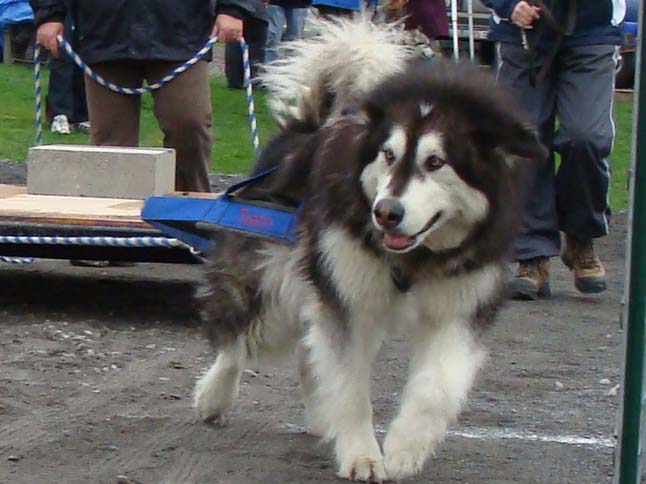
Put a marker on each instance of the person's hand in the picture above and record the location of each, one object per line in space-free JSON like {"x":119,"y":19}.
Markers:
{"x":396,"y":5}
{"x":46,"y":36}
{"x":524,"y":15}
{"x":227,"y":28}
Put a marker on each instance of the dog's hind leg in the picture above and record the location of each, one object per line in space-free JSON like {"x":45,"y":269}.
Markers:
{"x":444,"y":364}
{"x":341,"y":365}
{"x":216,"y":391}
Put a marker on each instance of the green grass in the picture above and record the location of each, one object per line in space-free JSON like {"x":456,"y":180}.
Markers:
{"x":621,"y":155}
{"x":232,"y":152}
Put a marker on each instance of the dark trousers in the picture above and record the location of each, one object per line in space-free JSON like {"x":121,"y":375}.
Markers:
{"x":182,"y":108}
{"x":577,"y":93}
{"x":255,"y":34}
{"x":66,"y":90}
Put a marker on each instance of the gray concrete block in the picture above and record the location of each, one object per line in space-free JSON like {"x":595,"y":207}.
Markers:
{"x":100,"y":171}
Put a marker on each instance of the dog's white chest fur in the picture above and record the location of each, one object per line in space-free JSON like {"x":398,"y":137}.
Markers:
{"x":365,"y":285}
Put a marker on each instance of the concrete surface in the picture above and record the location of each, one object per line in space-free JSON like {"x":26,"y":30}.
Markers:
{"x":100,"y":171}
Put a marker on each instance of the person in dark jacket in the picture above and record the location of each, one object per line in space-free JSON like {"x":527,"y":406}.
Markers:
{"x":129,"y":41}
{"x":558,"y":57}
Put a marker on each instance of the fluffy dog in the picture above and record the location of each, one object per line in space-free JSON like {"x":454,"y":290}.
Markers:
{"x":409,"y":181}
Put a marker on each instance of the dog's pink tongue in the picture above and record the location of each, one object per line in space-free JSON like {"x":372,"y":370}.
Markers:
{"x":397,"y":241}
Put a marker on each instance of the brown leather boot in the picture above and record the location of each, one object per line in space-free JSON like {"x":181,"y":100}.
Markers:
{"x":579,"y":256}
{"x":531,"y":280}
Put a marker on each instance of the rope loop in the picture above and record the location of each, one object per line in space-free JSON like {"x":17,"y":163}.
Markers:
{"x":67,"y":47}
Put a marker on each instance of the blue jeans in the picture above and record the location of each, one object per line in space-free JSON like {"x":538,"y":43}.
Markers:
{"x":279,"y":17}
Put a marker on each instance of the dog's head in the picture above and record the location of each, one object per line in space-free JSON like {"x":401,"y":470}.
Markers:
{"x":442,"y":150}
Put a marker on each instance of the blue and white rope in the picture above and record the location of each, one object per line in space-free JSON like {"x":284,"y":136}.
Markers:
{"x":149,"y":88}
{"x":250,"y":104}
{"x":140,"y":90}
{"x":94,"y":241}
{"x":39,"y":111}
{"x":16,"y":260}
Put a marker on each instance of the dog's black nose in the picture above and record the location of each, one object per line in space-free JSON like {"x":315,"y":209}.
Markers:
{"x":388,"y":213}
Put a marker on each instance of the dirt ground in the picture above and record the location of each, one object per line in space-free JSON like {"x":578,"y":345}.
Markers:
{"x":97,"y":367}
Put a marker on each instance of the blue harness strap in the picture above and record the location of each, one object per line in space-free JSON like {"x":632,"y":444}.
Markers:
{"x":191,"y":220}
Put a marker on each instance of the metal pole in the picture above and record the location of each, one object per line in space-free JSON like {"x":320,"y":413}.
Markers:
{"x":628,"y":466}
{"x":454,"y":24}
{"x":472,"y":43}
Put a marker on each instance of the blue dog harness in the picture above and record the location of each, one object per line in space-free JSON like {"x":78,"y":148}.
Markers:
{"x":192,"y":220}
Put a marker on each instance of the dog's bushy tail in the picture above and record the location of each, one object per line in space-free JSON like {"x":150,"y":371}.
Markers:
{"x":316,"y":76}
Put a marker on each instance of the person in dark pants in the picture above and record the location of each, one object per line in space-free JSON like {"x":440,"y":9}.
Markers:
{"x":128,"y":42}
{"x":66,"y":103}
{"x":337,"y":8}
{"x":558,"y":58}
{"x":255,"y":34}
{"x":286,"y":23}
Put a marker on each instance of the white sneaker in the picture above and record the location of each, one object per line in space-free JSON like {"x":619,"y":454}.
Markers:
{"x":83,"y":126}
{"x":60,"y":124}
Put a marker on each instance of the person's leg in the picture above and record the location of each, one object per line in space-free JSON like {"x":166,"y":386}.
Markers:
{"x":114,"y":117}
{"x":585,"y":137}
{"x":61,"y":92}
{"x":183,"y":110}
{"x":276,"y":17}
{"x":60,"y":95}
{"x":295,"y":20}
{"x":233,"y":65}
{"x":540,"y":235}
{"x":255,"y":32}
{"x":539,"y":238}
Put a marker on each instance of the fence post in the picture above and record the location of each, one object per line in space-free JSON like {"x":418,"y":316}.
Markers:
{"x":632,"y":425}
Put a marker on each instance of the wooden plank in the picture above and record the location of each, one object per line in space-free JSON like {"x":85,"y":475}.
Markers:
{"x":17,"y":205}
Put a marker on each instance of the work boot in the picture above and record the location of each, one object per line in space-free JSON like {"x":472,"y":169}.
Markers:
{"x":579,"y":256}
{"x":531,"y":280}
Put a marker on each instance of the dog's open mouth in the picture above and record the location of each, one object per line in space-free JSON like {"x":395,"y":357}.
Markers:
{"x":398,"y":242}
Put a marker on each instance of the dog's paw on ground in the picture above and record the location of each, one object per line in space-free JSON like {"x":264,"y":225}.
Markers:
{"x":403,"y":464}
{"x":212,"y":405}
{"x":363,"y":468}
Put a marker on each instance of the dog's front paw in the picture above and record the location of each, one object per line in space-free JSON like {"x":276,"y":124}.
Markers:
{"x":363,"y":468}
{"x":212,"y":401}
{"x":402,"y":465}
{"x":403,"y":458}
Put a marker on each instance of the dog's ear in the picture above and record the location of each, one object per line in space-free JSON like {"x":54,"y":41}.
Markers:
{"x":373,"y":111}
{"x":511,"y":136}
{"x":521,"y":140}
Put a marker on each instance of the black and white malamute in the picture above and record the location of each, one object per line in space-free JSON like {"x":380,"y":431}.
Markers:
{"x":410,"y":181}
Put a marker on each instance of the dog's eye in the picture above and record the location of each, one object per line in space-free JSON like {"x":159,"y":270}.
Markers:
{"x":389,"y":156}
{"x":433,"y":163}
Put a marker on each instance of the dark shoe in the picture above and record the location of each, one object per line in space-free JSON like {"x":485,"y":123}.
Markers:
{"x":531,"y":280}
{"x":579,"y":256}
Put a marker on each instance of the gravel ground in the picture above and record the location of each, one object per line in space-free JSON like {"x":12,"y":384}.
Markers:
{"x":98,"y":367}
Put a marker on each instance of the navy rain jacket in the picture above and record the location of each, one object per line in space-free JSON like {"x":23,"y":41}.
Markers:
{"x":164,"y":30}
{"x":597,"y":22}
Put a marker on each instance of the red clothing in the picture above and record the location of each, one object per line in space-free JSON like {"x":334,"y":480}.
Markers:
{"x":429,"y":15}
